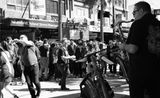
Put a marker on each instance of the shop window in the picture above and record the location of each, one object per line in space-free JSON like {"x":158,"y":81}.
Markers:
{"x":19,"y":8}
{"x":105,"y":14}
{"x":12,"y":7}
{"x":118,"y":17}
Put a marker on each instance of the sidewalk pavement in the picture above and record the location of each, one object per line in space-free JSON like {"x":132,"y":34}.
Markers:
{"x":51,"y":89}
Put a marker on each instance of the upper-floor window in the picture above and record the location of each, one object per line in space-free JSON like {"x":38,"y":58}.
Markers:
{"x":52,"y":7}
{"x":17,"y":4}
{"x":24,"y":2}
{"x":81,"y":12}
{"x":119,"y":3}
{"x":11,"y":1}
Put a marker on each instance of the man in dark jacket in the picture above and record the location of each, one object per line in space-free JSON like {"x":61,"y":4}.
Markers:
{"x":80,"y":53}
{"x":71,"y":51}
{"x":143,"y":66}
{"x":62,"y":63}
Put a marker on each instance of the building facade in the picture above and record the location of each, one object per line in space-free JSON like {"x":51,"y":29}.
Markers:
{"x":115,"y":9}
{"x":39,"y":18}
{"x":36,"y":19}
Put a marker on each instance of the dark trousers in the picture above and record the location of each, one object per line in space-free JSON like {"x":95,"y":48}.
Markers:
{"x":63,"y":68}
{"x":32,"y":77}
{"x":51,"y":70}
{"x":112,"y":68}
{"x":141,"y":87}
{"x":72,"y":66}
{"x":78,"y":69}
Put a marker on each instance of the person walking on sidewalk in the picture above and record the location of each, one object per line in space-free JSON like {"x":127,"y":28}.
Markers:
{"x":44,"y":60}
{"x":29,"y":58}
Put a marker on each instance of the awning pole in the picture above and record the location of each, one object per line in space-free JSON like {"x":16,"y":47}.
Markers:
{"x":25,"y":8}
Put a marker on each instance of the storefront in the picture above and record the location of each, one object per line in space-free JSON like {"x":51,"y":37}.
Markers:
{"x":76,"y":31}
{"x":95,"y":32}
{"x":32,"y":28}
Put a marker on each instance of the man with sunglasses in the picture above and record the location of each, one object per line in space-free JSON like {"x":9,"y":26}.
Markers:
{"x":143,"y":66}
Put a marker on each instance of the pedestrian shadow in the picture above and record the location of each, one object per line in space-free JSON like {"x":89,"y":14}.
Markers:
{"x":121,"y":88}
{"x":121,"y":96}
{"x":75,"y":95}
{"x":69,"y":81}
{"x":121,"y":91}
{"x":57,"y":89}
{"x":48,"y":89}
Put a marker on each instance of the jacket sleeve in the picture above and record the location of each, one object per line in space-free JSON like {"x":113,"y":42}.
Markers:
{"x":37,"y":52}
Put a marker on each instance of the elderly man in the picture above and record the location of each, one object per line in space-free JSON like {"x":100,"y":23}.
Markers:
{"x":29,"y":58}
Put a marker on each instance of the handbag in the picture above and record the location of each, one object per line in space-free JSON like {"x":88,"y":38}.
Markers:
{"x":9,"y":64}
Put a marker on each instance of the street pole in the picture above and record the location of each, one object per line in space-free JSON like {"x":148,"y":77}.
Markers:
{"x":101,"y":21}
{"x":60,"y":21}
{"x":113,"y":16}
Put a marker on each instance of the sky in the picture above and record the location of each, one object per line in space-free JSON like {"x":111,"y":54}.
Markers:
{"x":154,"y":3}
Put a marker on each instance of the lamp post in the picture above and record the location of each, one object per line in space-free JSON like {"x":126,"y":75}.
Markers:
{"x":60,"y":20}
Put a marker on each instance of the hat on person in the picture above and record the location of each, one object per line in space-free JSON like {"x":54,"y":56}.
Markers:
{"x":64,"y":40}
{"x":9,"y":38}
{"x":80,"y":42}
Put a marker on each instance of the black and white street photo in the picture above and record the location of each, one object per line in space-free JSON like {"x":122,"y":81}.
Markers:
{"x":79,"y":48}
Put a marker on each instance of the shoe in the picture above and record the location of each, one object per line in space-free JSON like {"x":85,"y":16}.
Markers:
{"x":65,"y":88}
{"x":15,"y":96}
{"x":59,"y":82}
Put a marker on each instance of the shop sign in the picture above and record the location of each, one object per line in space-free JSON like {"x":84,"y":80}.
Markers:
{"x":94,"y":28}
{"x":19,"y":23}
{"x":43,"y":24}
{"x":77,"y":34}
{"x":74,"y":25}
{"x":97,"y":29}
{"x":33,"y":23}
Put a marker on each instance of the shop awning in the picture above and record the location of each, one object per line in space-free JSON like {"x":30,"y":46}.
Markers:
{"x":29,"y":23}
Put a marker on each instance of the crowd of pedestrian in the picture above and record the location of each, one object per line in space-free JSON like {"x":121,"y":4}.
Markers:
{"x":76,"y":49}
{"x":43,"y":60}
